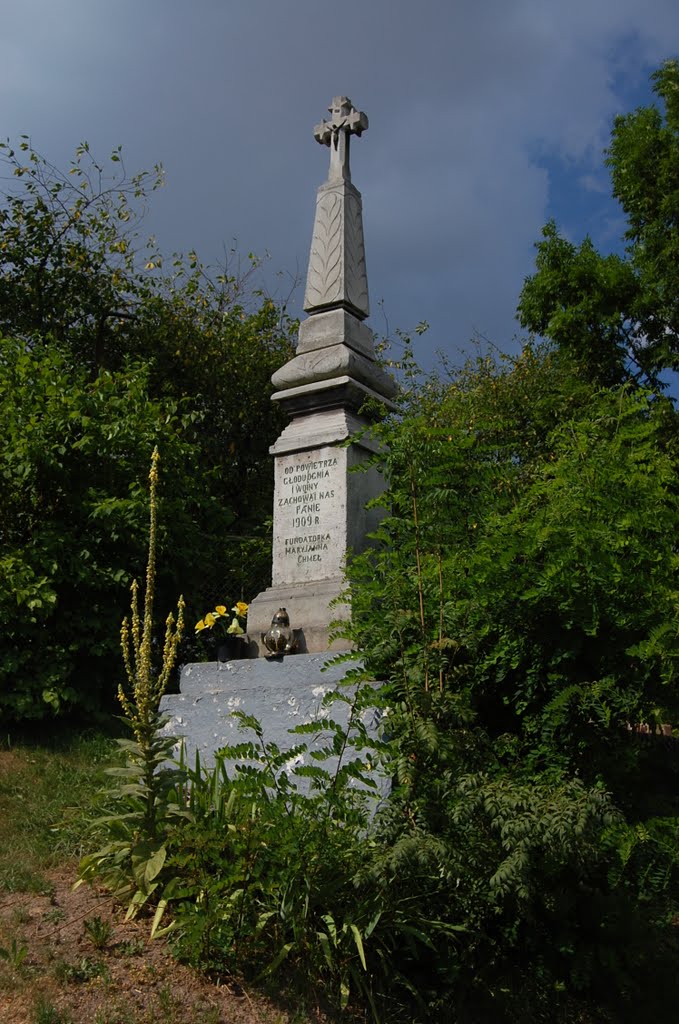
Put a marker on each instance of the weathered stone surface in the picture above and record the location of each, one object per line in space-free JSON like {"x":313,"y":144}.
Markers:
{"x":310,"y":504}
{"x":333,"y":361}
{"x":336,"y":133}
{"x":320,"y":513}
{"x":335,"y":327}
{"x":343,"y":392}
{"x":281,"y":693}
{"x":325,"y":426}
{"x":337,"y":273}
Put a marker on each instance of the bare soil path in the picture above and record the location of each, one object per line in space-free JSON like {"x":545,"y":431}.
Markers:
{"x":54,"y":973}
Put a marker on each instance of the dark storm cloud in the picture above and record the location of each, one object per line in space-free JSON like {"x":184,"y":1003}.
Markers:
{"x":468,"y":102}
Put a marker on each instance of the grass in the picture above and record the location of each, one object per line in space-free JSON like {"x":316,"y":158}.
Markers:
{"x":58,"y":965}
{"x":85,"y":969}
{"x":47,"y":792}
{"x":45,"y":1012}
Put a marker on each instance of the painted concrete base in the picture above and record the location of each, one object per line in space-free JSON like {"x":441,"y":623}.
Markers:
{"x":281,"y":693}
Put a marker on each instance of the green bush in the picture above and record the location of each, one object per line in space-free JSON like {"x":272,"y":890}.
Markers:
{"x":520,"y":607}
{"x":72,"y":522}
{"x":106,"y":354}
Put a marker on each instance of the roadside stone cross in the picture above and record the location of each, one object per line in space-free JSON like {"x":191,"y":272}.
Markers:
{"x":345,"y":121}
{"x":321,"y":508}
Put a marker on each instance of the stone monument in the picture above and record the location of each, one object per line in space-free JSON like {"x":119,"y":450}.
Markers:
{"x":331,"y":390}
{"x":319,"y":505}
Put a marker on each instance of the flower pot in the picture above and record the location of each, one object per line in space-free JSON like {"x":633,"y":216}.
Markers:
{"x":231,"y":648}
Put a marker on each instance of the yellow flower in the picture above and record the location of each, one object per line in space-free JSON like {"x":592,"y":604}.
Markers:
{"x":235,"y":629}
{"x":240,"y":608}
{"x":200,"y":625}
{"x":221,"y":609}
{"x":210,"y":620}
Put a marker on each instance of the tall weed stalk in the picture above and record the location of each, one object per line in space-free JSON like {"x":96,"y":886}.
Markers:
{"x":149,"y":794}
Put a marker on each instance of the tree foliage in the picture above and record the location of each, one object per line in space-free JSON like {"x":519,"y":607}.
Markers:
{"x":644,"y":162}
{"x":70,"y":267}
{"x":620,"y":315}
{"x":72,"y":520}
{"x":520,"y":606}
{"x":105,"y":355}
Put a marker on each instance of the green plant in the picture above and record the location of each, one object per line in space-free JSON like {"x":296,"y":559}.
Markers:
{"x":54,"y":916}
{"x":98,"y":931}
{"x":167,"y":1003}
{"x":115,"y":1015}
{"x":130,"y":947}
{"x":131,"y":862}
{"x":14,"y":954}
{"x":80,"y":971}
{"x":45,"y":1012}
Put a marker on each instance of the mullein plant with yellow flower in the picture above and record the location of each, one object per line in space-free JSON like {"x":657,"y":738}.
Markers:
{"x":141,"y":700}
{"x":148,"y":798}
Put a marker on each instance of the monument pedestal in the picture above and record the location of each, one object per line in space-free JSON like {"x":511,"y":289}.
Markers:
{"x":279,"y":692}
{"x":311,"y":608}
{"x":319,"y":515}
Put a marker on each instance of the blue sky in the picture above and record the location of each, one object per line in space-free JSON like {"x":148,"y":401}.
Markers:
{"x":487,"y":117}
{"x":579,"y":196}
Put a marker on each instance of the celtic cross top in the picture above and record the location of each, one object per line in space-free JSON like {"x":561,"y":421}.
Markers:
{"x":344,"y":122}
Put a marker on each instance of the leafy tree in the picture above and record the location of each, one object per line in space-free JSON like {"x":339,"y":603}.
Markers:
{"x":620,"y":315}
{"x":74,"y":269}
{"x":644,"y":163}
{"x":111,"y":355}
{"x":521,"y":607}
{"x":532,"y":530}
{"x":69,"y":257}
{"x":72,"y":521}
{"x":584,"y":302}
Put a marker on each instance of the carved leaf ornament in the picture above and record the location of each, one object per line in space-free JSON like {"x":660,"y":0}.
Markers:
{"x":337,"y":271}
{"x":324,"y":279}
{"x":356,"y":285}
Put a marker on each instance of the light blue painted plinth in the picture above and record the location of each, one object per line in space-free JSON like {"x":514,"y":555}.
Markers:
{"x":280,"y":693}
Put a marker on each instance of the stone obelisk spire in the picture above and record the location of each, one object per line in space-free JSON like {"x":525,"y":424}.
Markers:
{"x":319,"y":506}
{"x":333,"y":342}
{"x":337,"y":274}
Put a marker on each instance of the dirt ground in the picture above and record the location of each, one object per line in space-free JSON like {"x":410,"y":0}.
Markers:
{"x":52,"y":972}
